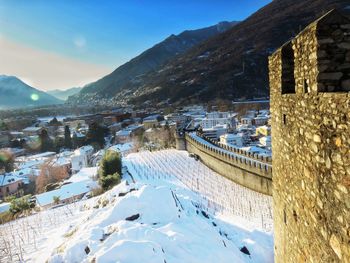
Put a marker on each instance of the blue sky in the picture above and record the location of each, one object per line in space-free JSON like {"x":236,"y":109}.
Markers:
{"x":108,"y":33}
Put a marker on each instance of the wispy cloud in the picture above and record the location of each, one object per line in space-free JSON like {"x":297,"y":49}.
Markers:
{"x":45,"y":70}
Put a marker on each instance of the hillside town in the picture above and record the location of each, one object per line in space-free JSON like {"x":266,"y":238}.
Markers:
{"x":175,"y":132}
{"x":66,"y":151}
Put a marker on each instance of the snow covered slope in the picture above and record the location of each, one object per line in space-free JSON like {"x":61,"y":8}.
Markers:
{"x":150,"y":217}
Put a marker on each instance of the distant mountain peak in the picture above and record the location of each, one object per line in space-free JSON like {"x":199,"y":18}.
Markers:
{"x":14,"y":93}
{"x":64,"y":94}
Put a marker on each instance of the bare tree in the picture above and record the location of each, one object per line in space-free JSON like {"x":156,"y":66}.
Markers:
{"x":50,"y":173}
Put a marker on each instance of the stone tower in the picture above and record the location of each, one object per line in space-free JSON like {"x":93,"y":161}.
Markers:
{"x":310,"y":104}
{"x":180,"y":140}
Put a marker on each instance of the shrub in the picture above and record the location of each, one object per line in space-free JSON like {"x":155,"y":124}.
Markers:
{"x":111,"y":163}
{"x":97,"y":191}
{"x":56,"y":200}
{"x":110,"y":170}
{"x":6,"y":217}
{"x":19,"y":205}
{"x":108,"y":181}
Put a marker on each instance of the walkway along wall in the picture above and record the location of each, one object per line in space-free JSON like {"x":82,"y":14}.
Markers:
{"x":245,"y":169}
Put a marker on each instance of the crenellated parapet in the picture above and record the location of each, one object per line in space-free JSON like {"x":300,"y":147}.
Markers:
{"x":238,"y":151}
{"x":250,"y":170}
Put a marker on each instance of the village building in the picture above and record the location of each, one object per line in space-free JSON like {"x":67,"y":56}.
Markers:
{"x":215,"y":132}
{"x":151,"y":121}
{"x":126,"y":134}
{"x":81,"y":157}
{"x":232,"y":139}
{"x":10,"y":185}
{"x":260,"y":120}
{"x":247,"y":121}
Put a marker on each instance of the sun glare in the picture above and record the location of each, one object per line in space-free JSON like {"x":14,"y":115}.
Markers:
{"x":34,"y":97}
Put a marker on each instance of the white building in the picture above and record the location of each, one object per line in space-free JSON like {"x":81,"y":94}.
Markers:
{"x":175,"y":117}
{"x":247,"y":121}
{"x":126,"y":134}
{"x":219,"y":115}
{"x":232,"y":139}
{"x":215,"y":132}
{"x":260,"y":120}
{"x":81,"y":157}
{"x":213,"y":119}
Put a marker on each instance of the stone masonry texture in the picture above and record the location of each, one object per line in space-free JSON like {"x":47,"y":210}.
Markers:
{"x":310,"y":105}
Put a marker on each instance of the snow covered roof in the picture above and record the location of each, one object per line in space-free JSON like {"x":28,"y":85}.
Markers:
{"x":61,"y":160}
{"x":41,"y":155}
{"x":151,"y":118}
{"x":84,"y":150}
{"x":258,"y":150}
{"x":6,"y":179}
{"x":24,"y":174}
{"x":217,"y":127}
{"x":117,"y":124}
{"x":65,"y":192}
{"x":16,"y":133}
{"x":85,"y":174}
{"x":232,"y":136}
{"x":122,"y":147}
{"x":261,"y":117}
{"x":31,"y":163}
{"x":123,"y":133}
{"x":32,"y":129}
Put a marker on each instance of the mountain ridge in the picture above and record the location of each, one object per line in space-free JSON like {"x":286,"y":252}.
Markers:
{"x":64,"y":94}
{"x":149,"y":60}
{"x":14,"y":93}
{"x":231,"y":65}
{"x":236,"y":64}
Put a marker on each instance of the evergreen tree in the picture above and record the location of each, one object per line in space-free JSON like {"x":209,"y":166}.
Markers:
{"x":45,"y":141}
{"x":75,"y":142}
{"x":59,"y":143}
{"x":110,"y":170}
{"x":67,"y":137}
{"x":96,"y":134}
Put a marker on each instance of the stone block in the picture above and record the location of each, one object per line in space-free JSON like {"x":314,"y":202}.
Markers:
{"x":335,"y":244}
{"x":325,"y":41}
{"x":330,"y":76}
{"x":345,"y":85}
{"x":344,"y":45}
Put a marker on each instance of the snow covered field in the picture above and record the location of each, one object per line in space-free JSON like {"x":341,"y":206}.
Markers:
{"x":156,"y":219}
{"x":220,"y":195}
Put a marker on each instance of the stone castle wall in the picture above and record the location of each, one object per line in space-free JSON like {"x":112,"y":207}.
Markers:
{"x":250,"y":171}
{"x":311,"y":144}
